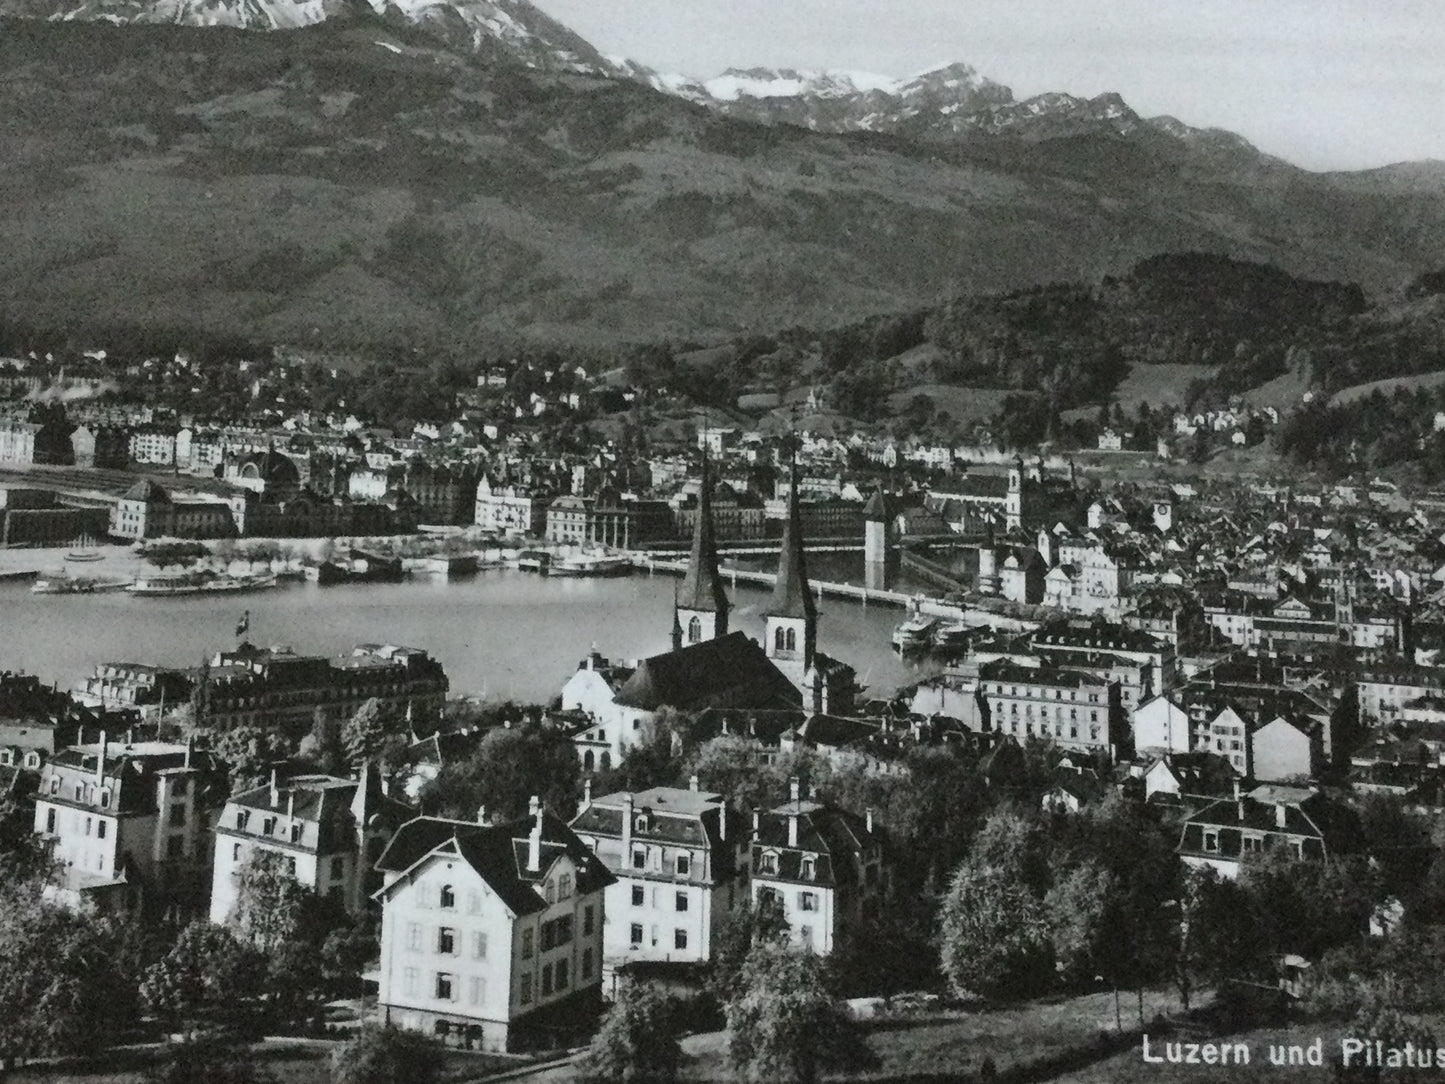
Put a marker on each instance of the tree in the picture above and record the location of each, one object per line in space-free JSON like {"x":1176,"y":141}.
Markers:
{"x":741,"y":931}
{"x":373,"y":735}
{"x":323,"y":747}
{"x":784,"y":1026}
{"x":1077,"y":910}
{"x":252,"y":753}
{"x":387,"y":1055}
{"x":993,"y":937}
{"x":208,"y":972}
{"x":636,"y":1043}
{"x":203,"y":1058}
{"x":508,"y":767}
{"x":60,"y":980}
{"x":271,"y":905}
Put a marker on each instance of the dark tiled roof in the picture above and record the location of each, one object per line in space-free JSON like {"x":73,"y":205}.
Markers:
{"x":498,"y":854}
{"x":835,"y":837}
{"x":731,"y":671}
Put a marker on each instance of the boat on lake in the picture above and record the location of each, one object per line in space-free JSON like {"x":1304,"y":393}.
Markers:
{"x":361,"y":567}
{"x":60,"y":584}
{"x":951,"y":636}
{"x":915,"y":633}
{"x":534,"y":561}
{"x":591,"y":564}
{"x":199,"y":583}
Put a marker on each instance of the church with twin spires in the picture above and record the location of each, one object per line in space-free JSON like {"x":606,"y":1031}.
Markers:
{"x":710,"y":666}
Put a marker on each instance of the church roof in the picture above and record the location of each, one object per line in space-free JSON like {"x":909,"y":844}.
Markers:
{"x":791,"y":594}
{"x":702,"y":587}
{"x":730,"y":671}
{"x":876,"y":510}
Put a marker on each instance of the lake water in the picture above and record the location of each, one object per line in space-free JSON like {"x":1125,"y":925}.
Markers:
{"x":502,"y":634}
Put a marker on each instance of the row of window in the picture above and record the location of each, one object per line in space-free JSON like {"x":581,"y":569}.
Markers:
{"x":83,"y":793}
{"x":1034,"y":691}
{"x":645,"y":857}
{"x":679,"y":937}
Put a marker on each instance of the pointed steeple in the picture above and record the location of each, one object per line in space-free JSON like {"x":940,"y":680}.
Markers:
{"x":702,"y":588}
{"x":792,"y":599}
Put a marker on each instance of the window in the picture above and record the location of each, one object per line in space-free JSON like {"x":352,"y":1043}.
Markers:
{"x":50,"y":821}
{"x":479,"y":989}
{"x":474,"y":903}
{"x":564,"y":886}
{"x":447,"y":941}
{"x":639,"y":857}
{"x":546,"y":980}
{"x":236,"y":852}
{"x":681,"y":903}
{"x":807,"y":901}
{"x":524,"y":994}
{"x":526,"y":944}
{"x":448,"y":900}
{"x":638,"y":895}
{"x":409,"y":979}
{"x":792,"y":639}
{"x":89,"y":824}
{"x":445,"y":985}
{"x":1211,"y":841}
{"x":586,"y":963}
{"x":550,"y":892}
{"x":684,"y":865}
{"x":564,"y":930}
{"x":413,"y":937}
{"x":104,"y":792}
{"x":769,"y":863}
{"x":562,"y":977}
{"x":587,"y":921}
{"x":635,"y":935}
{"x":679,"y":939}
{"x":295,"y":833}
{"x":55,"y":784}
{"x":268,"y":826}
{"x":694,"y":631}
{"x":810,"y":868}
{"x":1253,"y":844}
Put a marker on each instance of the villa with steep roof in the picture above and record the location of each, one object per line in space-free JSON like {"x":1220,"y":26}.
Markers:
{"x":491,"y":934}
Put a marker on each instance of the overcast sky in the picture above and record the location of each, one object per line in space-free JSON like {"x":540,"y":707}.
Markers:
{"x":1327,"y":84}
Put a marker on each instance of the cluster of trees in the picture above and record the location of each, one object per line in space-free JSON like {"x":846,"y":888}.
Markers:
{"x":1368,"y":433}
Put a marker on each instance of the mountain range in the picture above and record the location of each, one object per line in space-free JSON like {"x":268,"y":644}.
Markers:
{"x":376,"y":170}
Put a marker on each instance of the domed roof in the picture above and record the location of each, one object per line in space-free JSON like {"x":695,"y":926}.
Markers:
{"x":271,"y":467}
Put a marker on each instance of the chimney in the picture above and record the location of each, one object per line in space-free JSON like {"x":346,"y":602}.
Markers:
{"x":1239,"y":799}
{"x":1281,"y":814}
{"x":627,"y":828}
{"x":868,"y":819}
{"x":534,"y":840}
{"x":587,"y":791}
{"x":190,"y":747}
{"x":793,"y":789}
{"x":275,"y":794}
{"x":756,"y":823}
{"x":290,"y":808}
{"x":100,"y":760}
{"x":692,"y":782}
{"x":793,"y":826}
{"x":722,"y":822}
{"x":482,"y":817}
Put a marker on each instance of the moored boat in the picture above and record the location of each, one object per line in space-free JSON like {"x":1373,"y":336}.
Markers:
{"x":914,"y":634}
{"x":951,"y":636}
{"x":591,"y":564}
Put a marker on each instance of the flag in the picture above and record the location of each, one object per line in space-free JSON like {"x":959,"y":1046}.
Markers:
{"x":243,"y":626}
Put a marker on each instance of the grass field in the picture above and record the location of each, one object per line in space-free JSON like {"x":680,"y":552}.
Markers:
{"x":965,"y":405}
{"x":289,"y":1061}
{"x":944,"y":1046}
{"x":1159,"y":385}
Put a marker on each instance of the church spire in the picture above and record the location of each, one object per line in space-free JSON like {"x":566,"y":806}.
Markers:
{"x":792,"y":602}
{"x":701,"y":609}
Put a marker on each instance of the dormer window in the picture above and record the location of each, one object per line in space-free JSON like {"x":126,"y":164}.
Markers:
{"x":268,"y":826}
{"x":295,"y":833}
{"x":640,"y":824}
{"x":769,"y":862}
{"x":55,"y":784}
{"x":80,"y":792}
{"x":104,"y":797}
{"x":564,"y":886}
{"x":243,"y":817}
{"x":810,"y":867}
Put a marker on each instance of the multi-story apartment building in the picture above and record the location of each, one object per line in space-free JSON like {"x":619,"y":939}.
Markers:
{"x":510,"y":510}
{"x":147,"y":510}
{"x":1063,"y":641}
{"x":129,"y":824}
{"x":253,"y":686}
{"x":1073,"y":709}
{"x":491,"y":934}
{"x":330,"y":831}
{"x":825,"y":869}
{"x":680,"y":859}
{"x":154,"y":444}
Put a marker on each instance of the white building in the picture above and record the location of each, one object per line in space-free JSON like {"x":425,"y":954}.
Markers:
{"x":681,"y":862}
{"x":330,"y":830}
{"x":492,"y":934}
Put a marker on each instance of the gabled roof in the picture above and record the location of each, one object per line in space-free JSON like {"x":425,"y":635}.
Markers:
{"x":835,"y":837}
{"x":497,"y":853}
{"x":730,"y":671}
